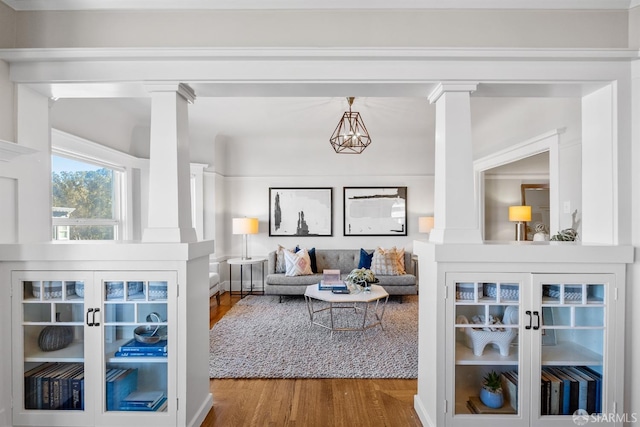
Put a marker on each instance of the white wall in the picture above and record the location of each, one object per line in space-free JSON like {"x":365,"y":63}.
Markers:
{"x":406,"y":28}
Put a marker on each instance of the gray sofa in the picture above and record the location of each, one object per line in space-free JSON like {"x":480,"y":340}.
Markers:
{"x":343,"y":259}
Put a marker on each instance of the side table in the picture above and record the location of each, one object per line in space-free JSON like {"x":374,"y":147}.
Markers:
{"x":242,"y":262}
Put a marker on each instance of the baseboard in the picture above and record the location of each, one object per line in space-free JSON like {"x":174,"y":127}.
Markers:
{"x":422,"y":413}
{"x":201,"y":414}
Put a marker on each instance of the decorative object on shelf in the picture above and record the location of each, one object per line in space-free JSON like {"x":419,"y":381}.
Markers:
{"x":520,"y":215}
{"x":466,"y":291}
{"x":507,"y":292}
{"x":351,"y":135}
{"x":52,"y":289}
{"x":541,"y":234}
{"x":157,"y":290}
{"x":425,"y":224}
{"x":375,"y":211}
{"x":566,"y":235}
{"x":488,"y":332}
{"x":53,"y":338}
{"x":245,"y":226}
{"x":491,"y":391}
{"x":116,"y":289}
{"x":151,"y":334}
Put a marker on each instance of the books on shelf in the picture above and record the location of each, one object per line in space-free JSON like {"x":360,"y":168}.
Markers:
{"x":578,"y":387}
{"x":509,"y":382}
{"x":144,"y":401}
{"x":54,"y":386}
{"x":120,"y":383}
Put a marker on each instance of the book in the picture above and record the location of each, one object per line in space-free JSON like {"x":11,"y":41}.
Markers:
{"x":142,"y":399}
{"x":510,"y":388}
{"x":572,"y":390}
{"x":133,"y":345}
{"x":331,"y":280}
{"x":475,"y":405}
{"x":590,"y":389}
{"x":161,"y":405}
{"x":556,"y":393}
{"x":120,"y":386}
{"x":140,"y":354}
{"x":598,"y":380}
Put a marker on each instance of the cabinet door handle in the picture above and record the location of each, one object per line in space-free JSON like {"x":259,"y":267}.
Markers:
{"x":537,"y":314}
{"x":528,"y":313}
{"x":94,"y":317}
{"x":90,"y":310}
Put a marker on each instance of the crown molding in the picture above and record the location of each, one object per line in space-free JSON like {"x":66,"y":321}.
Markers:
{"x":61,"y":5}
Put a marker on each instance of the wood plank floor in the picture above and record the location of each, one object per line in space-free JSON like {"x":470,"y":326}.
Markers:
{"x":308,"y":402}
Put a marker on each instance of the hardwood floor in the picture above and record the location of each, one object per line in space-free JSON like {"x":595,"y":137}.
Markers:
{"x":308,"y":402}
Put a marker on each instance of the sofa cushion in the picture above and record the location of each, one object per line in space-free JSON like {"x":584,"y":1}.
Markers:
{"x":298,"y":264}
{"x":385,"y":262}
{"x":365,"y":259}
{"x":312,"y":258}
{"x":281,"y":265}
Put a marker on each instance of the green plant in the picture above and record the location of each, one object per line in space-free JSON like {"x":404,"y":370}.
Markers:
{"x":492,"y":382}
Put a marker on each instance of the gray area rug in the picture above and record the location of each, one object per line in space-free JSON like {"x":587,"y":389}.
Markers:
{"x":261,"y":338}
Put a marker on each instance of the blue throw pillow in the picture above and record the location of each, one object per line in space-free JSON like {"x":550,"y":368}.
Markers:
{"x":312,"y":258}
{"x":365,"y":259}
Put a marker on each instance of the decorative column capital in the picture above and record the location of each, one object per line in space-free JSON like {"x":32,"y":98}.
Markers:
{"x":444,"y":87}
{"x":182,"y":89}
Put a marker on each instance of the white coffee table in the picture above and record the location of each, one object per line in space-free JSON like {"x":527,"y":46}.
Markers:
{"x":349,"y":301}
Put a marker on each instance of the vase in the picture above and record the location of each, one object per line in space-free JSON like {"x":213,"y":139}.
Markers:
{"x":491,"y":399}
{"x":53,"y":338}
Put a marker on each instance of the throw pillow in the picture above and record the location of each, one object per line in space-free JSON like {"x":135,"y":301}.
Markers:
{"x":401,"y":266}
{"x":365,"y":259}
{"x":281,"y":265}
{"x":298,"y":263}
{"x":312,"y":257}
{"x":385,"y":262}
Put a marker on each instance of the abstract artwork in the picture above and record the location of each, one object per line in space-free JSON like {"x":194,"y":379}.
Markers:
{"x":300,"y":211}
{"x":375,"y":211}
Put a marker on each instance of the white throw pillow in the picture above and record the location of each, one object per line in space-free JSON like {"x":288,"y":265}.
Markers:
{"x":385,"y":262}
{"x":281,"y":265}
{"x":298,"y":264}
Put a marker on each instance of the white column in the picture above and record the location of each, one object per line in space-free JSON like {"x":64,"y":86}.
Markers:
{"x":455,"y":212}
{"x":33,"y":130}
{"x":169,"y":217}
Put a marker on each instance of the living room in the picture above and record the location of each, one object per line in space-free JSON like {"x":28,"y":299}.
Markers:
{"x":242,"y":167}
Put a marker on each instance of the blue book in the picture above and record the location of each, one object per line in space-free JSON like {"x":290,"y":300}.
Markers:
{"x":133,"y":345}
{"x":140,"y":354}
{"x":566,"y":390}
{"x":159,"y":406}
{"x":598,"y":378}
{"x":120,"y":387}
{"x":77,"y":399}
{"x":142,"y":399}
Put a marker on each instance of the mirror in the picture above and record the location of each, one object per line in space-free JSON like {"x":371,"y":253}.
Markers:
{"x":536,"y":196}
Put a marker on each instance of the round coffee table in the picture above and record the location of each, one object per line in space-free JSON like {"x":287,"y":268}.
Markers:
{"x":349,"y":301}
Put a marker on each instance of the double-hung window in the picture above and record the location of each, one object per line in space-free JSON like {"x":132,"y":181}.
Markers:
{"x":87,"y":198}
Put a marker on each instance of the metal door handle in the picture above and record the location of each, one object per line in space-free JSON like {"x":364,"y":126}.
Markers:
{"x":537,"y":314}
{"x":94,"y":317}
{"x":90,"y":310}
{"x":528,"y":313}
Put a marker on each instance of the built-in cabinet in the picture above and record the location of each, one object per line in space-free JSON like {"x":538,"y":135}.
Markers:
{"x":124,"y":343}
{"x":547,"y":319}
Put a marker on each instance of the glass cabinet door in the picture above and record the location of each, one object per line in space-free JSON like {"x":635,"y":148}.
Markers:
{"x":136,"y":336}
{"x":49,"y":346}
{"x":572,"y":342}
{"x":487,"y":368}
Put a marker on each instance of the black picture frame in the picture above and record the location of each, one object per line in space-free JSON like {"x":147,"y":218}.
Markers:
{"x":375,"y":211}
{"x":300,"y":211}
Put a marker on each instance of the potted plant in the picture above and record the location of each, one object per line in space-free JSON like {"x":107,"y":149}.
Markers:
{"x":491,"y":391}
{"x":362,"y":277}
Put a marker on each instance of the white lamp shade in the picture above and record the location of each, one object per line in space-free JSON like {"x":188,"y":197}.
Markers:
{"x":245,"y":226}
{"x":520,"y":213}
{"x":425,"y":224}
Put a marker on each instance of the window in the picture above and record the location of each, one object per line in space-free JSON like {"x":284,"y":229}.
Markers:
{"x":86,"y":199}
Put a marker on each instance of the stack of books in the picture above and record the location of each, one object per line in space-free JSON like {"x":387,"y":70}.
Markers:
{"x":134,"y":348}
{"x":144,"y":401}
{"x":475,"y":405}
{"x":120,"y":383}
{"x":55,"y":386}
{"x":331,"y":281}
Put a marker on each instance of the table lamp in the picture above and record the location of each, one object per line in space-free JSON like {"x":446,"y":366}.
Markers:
{"x":425,"y":224}
{"x":245,"y":226}
{"x":520,"y":215}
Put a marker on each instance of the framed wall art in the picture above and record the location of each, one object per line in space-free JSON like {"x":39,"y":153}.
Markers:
{"x":375,"y":211}
{"x":300,"y":211}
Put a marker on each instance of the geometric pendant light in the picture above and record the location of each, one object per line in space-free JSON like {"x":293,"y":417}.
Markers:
{"x":350,"y":136}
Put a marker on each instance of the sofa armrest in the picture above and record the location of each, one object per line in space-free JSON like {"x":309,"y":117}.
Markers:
{"x":271,"y":262}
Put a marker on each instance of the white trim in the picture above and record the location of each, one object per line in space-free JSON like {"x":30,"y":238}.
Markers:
{"x":548,"y":141}
{"x":24,"y":5}
{"x":197,"y":198}
{"x":11,"y":150}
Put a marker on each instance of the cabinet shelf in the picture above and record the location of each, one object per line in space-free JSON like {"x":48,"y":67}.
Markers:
{"x":568,"y":353}
{"x":72,"y":353}
{"x":490,"y":356}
